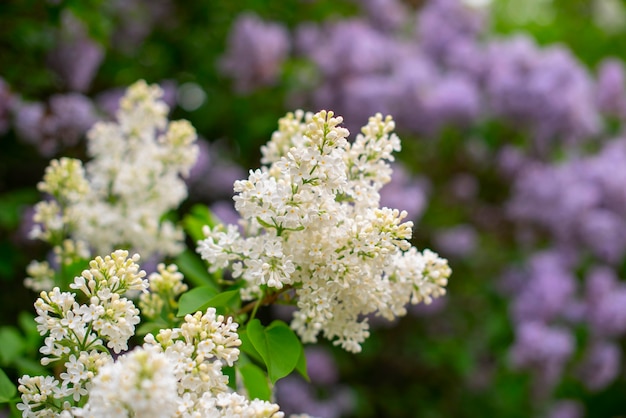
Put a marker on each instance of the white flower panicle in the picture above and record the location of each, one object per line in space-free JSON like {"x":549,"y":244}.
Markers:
{"x":77,"y":335}
{"x":132,"y":180}
{"x":64,"y":180}
{"x":165,"y":285}
{"x":313,"y":223}
{"x":40,"y":276}
{"x":139,"y":384}
{"x":197,"y":350}
{"x":178,"y":373}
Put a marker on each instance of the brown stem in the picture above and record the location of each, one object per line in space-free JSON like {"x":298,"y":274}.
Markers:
{"x":267,"y":300}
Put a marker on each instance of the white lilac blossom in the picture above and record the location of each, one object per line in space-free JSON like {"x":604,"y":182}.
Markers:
{"x":78,"y":336}
{"x":138,"y":384}
{"x":165,"y":285}
{"x":120,"y":196}
{"x":313,"y":223}
{"x":178,"y":372}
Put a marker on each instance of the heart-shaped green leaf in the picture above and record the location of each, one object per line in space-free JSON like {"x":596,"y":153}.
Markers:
{"x":278,"y":345}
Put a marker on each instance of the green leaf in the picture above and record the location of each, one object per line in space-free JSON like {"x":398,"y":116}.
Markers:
{"x":195,"y":300}
{"x":225,"y":299}
{"x":26,"y":365}
{"x":12,"y":344}
{"x":255,"y":382}
{"x":200,"y":298}
{"x":277,"y":344}
{"x":7,"y":388}
{"x":248,"y":348}
{"x":301,"y":366}
{"x":194,"y":270}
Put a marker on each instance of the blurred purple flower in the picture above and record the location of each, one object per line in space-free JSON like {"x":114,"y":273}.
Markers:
{"x":76,"y":58}
{"x":443,"y":24}
{"x":455,"y":100}
{"x":60,"y":123}
{"x":137,"y":18}
{"x":385,"y":14}
{"x":566,"y":409}
{"x":295,"y":396}
{"x":7,"y":100}
{"x":464,"y":186}
{"x":405,"y":192}
{"x":580,"y":202}
{"x":543,"y":349}
{"x":611,"y":87}
{"x":256,"y":50}
{"x":457,"y":241}
{"x":547,"y":291}
{"x":606,"y":303}
{"x":520,"y":87}
{"x":225,"y":212}
{"x":601,"y":365}
{"x":321,"y":366}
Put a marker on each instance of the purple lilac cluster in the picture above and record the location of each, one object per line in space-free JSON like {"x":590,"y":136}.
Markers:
{"x":579,"y":205}
{"x":436,"y":68}
{"x":581,"y":202}
{"x":256,"y":51}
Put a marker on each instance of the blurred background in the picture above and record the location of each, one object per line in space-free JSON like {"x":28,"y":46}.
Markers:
{"x":511,"y":115}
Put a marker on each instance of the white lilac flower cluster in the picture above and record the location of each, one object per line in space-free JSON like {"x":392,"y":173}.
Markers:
{"x":313,"y":224}
{"x":119,"y":197}
{"x":178,"y":373}
{"x":76,"y":334}
{"x":166,"y":285}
